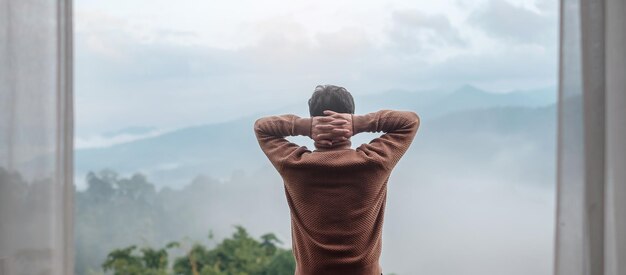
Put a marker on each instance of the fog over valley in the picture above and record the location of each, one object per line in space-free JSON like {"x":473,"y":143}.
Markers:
{"x":474,"y":194}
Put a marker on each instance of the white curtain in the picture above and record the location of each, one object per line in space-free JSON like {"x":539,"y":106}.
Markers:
{"x":591,"y":211}
{"x":36,"y":188}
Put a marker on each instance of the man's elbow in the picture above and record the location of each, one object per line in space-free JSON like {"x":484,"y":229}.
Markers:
{"x":258,"y":125}
{"x":413,"y":117}
{"x":414,"y":121}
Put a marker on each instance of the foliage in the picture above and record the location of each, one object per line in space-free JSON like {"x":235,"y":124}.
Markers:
{"x":116,"y":211}
{"x":238,"y":255}
{"x":113,"y":212}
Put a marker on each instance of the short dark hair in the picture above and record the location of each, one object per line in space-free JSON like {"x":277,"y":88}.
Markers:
{"x":330,"y":97}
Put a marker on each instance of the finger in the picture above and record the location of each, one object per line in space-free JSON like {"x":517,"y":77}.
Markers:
{"x":330,"y":128}
{"x":337,"y":132}
{"x":340,"y":131}
{"x":330,"y":112}
{"x":324,"y":127}
{"x":329,"y":136}
{"x":338,"y":122}
{"x":324,"y":136}
{"x":331,"y":125}
{"x":325,"y":119}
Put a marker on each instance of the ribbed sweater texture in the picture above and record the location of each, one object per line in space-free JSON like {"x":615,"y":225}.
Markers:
{"x":337,"y":197}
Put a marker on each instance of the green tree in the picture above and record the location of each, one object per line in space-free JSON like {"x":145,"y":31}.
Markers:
{"x":124,"y":261}
{"x":282,"y":263}
{"x":238,"y":255}
{"x":149,"y":262}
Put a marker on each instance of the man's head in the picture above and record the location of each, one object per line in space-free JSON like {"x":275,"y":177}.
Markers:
{"x":330,"y":97}
{"x":334,"y":98}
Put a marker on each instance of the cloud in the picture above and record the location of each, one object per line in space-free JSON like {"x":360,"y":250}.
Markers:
{"x":517,"y":24}
{"x":413,"y":31}
{"x":126,"y":77}
{"x":102,"y":141}
{"x":514,"y":67}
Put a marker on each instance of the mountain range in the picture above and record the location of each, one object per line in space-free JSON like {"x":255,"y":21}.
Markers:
{"x":221,"y":150}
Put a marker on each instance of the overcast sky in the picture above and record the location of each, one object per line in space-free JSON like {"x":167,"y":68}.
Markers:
{"x":170,"y":64}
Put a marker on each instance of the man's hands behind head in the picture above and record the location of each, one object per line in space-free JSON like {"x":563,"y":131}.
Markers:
{"x":331,"y":129}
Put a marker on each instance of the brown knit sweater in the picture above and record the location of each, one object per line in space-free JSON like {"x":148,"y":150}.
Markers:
{"x":337,"y":197}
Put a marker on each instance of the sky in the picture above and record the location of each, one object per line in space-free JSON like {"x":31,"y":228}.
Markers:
{"x":166,"y":65}
{"x":159,"y":65}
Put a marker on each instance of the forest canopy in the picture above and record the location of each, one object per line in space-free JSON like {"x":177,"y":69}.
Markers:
{"x":239,"y":254}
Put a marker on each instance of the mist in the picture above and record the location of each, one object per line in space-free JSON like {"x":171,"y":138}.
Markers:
{"x":474,"y":194}
{"x":167,"y":99}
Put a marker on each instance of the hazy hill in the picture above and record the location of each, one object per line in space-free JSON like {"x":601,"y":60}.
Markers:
{"x":474,"y":189}
{"x":430,"y":104}
{"x":218,"y":150}
{"x":473,"y":184}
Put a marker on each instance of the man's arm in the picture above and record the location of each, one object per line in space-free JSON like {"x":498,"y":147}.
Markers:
{"x":271,"y":131}
{"x":399,"y":129}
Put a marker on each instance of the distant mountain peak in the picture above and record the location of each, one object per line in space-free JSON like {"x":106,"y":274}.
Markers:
{"x":469,"y":89}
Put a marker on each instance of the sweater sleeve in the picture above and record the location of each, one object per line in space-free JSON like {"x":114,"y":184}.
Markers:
{"x":271,"y":131}
{"x":399,"y":129}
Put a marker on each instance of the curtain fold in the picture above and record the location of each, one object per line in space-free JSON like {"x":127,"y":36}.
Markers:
{"x":591,"y":187}
{"x":616,"y":136}
{"x":36,"y":188}
{"x":570,"y":168}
